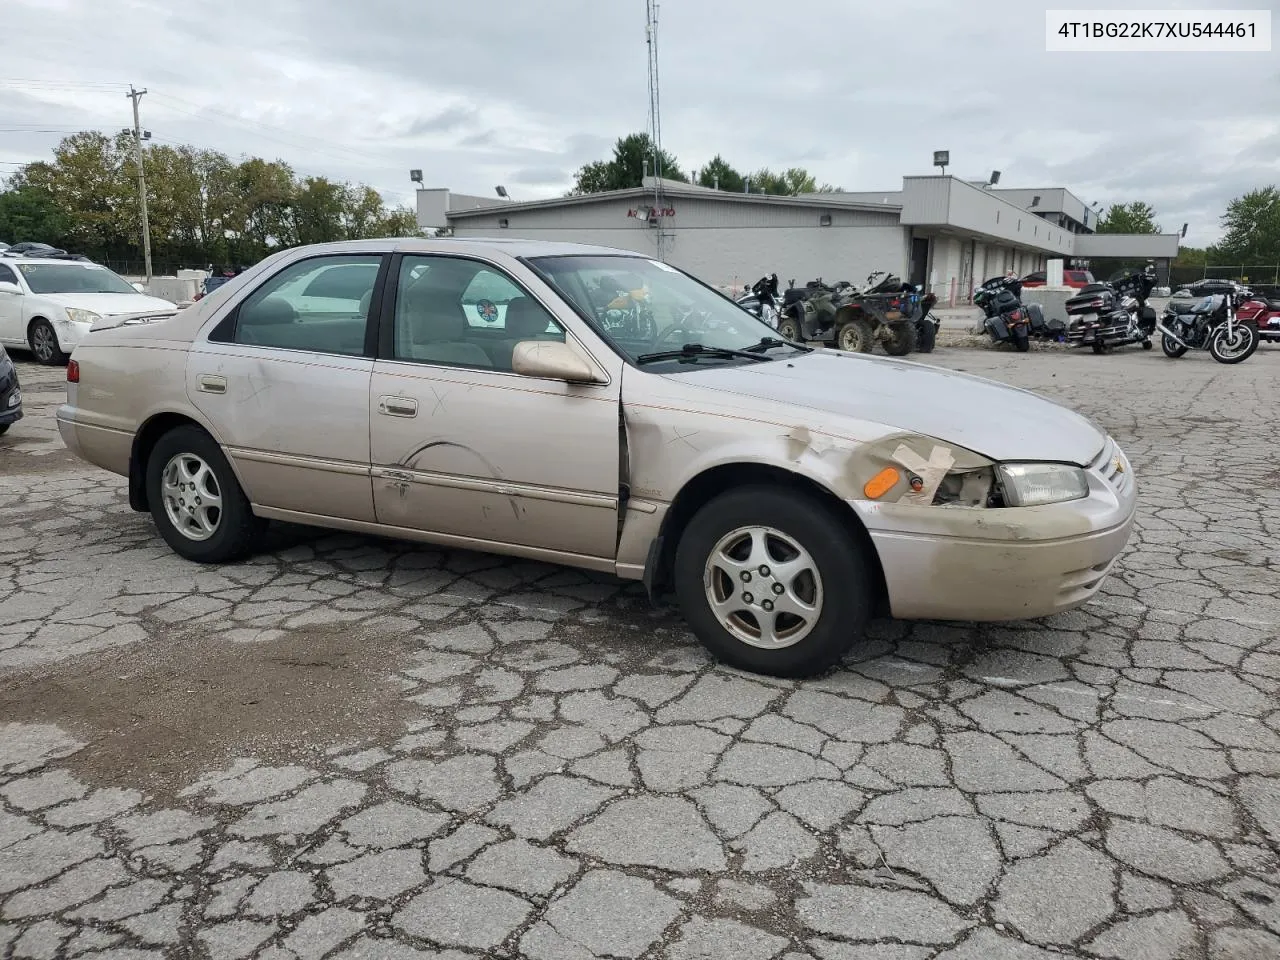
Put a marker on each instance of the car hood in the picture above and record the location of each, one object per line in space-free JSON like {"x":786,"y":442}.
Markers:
{"x":110,"y":304}
{"x":988,"y":418}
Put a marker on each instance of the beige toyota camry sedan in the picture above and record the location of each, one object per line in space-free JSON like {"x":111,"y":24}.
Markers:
{"x":604,"y":410}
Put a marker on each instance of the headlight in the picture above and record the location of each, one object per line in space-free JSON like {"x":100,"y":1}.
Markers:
{"x":76,"y":315}
{"x":1035,"y":484}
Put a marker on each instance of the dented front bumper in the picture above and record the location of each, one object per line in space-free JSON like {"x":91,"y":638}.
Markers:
{"x":1007,"y":563}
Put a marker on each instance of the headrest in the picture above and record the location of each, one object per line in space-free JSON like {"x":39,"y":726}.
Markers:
{"x":525,"y":318}
{"x":271,"y":312}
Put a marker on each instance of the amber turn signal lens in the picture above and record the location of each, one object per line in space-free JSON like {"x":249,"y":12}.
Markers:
{"x":881,"y":483}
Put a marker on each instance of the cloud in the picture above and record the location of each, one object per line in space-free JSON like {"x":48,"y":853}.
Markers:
{"x":497,"y":92}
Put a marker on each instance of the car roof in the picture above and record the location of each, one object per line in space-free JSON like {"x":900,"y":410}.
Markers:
{"x":16,"y":260}
{"x":511,"y":246}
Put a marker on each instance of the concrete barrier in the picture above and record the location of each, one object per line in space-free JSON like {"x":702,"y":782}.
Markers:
{"x":1052,"y":300}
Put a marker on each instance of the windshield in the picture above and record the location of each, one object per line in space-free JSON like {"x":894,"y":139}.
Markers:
{"x":72,"y":278}
{"x":646,"y":308}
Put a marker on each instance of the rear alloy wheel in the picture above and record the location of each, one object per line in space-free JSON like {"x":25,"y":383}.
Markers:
{"x":44,"y":343}
{"x":789,"y":329}
{"x":767,"y":587}
{"x":902,"y":339}
{"x":856,"y":336}
{"x":196,"y":501}
{"x":1171,"y":347}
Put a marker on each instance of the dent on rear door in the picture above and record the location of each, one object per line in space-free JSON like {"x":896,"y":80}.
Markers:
{"x":295,"y":423}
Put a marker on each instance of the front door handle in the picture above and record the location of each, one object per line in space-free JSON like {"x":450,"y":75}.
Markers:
{"x":398,"y":406}
{"x":207,"y":383}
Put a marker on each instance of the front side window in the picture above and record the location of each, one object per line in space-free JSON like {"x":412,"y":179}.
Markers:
{"x":319,"y":305}
{"x":464,"y":313}
{"x":657,"y":316}
{"x":53,"y":278}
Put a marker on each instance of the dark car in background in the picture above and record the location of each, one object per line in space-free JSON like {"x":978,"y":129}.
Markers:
{"x":10,"y":393}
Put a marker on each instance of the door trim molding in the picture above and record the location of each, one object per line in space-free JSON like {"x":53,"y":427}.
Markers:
{"x":501,"y":488}
{"x":347,"y":467}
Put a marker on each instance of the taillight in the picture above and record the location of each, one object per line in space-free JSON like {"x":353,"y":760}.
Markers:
{"x":73,"y":371}
{"x":1016,"y":315}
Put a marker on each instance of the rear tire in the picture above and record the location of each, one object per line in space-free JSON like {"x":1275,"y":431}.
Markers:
{"x":43,"y":342}
{"x":1171,"y":347}
{"x":1099,"y":348}
{"x":4,"y":428}
{"x":902,"y":339}
{"x":1021,"y":342}
{"x":1147,"y":344}
{"x":787,"y":539}
{"x":926,"y":336}
{"x":194,"y":460}
{"x":856,"y":336}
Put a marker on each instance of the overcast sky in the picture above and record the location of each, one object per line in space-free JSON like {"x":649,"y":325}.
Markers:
{"x":488,"y":92}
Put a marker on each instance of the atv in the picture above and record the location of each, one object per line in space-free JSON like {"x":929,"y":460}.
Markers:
{"x":853,"y":319}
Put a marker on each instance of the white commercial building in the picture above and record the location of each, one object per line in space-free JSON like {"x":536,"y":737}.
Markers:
{"x":939,"y":231}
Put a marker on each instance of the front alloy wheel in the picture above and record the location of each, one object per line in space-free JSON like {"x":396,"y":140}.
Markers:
{"x":44,"y":344}
{"x":763,"y":587}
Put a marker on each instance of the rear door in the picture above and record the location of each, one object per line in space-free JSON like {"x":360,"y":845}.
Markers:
{"x":284,"y":380}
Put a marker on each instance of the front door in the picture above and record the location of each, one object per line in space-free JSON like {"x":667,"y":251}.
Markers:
{"x":11,"y":309}
{"x":919,"y":274}
{"x":465,"y":447}
{"x":284,"y":380}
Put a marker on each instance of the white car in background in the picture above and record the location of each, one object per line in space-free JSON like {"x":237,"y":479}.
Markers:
{"x":47,"y":306}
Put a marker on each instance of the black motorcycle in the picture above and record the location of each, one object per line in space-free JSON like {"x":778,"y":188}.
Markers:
{"x":1005,"y":318}
{"x":1107,"y":315}
{"x":762,"y":300}
{"x":1210,"y":322}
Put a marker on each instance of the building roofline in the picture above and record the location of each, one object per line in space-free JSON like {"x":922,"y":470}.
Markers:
{"x":672,"y":188}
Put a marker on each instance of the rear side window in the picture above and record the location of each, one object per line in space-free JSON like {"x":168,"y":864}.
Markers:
{"x":7,"y":275}
{"x":320,"y":305}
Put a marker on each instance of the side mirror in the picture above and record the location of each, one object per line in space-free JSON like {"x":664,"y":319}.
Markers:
{"x":7,"y":286}
{"x":139,"y":287}
{"x":551,"y":360}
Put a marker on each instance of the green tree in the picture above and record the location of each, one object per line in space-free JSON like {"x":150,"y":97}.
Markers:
{"x":400,"y":222}
{"x":789,"y":183}
{"x":1251,"y":228}
{"x":317,"y":209}
{"x":1136,"y":217}
{"x":719,"y":173}
{"x":632,"y":161}
{"x":30,"y":213}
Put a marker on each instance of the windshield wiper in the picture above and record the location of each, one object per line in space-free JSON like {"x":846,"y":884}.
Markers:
{"x":697,"y":350}
{"x":768,"y":343}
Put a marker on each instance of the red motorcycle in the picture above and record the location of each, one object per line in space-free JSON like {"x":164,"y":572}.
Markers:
{"x":1263,"y":314}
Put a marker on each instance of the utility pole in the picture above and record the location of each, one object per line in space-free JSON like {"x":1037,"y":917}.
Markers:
{"x":135,"y":96}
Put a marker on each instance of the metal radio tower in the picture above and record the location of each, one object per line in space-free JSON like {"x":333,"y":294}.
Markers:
{"x":655,"y":121}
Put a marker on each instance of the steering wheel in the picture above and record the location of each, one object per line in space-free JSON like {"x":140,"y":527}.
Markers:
{"x":669,"y":334}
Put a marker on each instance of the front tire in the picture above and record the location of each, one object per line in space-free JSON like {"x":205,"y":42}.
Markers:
{"x":789,"y":329}
{"x":1171,"y":347}
{"x":1147,"y":345}
{"x":766,"y":586}
{"x":196,"y":501}
{"x":1236,"y":350}
{"x":902,"y":339}
{"x":43,"y":342}
{"x":856,"y":336}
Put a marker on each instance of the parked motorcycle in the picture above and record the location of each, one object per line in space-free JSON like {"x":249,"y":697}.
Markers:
{"x":1107,"y":315}
{"x":1211,"y":322}
{"x":762,"y":300}
{"x":1005,"y":318}
{"x":1263,"y":313}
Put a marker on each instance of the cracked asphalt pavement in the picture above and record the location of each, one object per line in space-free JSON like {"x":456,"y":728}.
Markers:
{"x":357,"y":748}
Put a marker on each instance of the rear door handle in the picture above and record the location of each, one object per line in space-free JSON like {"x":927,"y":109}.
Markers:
{"x":207,"y":383}
{"x":398,"y":406}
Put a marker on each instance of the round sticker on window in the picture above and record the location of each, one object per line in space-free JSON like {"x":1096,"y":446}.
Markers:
{"x":488,"y":310}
